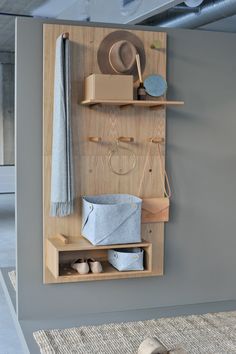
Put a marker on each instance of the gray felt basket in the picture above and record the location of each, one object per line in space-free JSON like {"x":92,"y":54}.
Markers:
{"x":111,"y":219}
{"x":126,"y":259}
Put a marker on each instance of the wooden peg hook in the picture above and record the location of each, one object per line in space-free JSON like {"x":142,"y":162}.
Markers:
{"x":65,"y":35}
{"x":95,"y":139}
{"x":126,"y":139}
{"x":64,"y":239}
{"x":156,"y":140}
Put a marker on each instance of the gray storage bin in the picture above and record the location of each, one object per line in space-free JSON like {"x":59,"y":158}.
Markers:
{"x":111,"y":219}
{"x":126,"y":259}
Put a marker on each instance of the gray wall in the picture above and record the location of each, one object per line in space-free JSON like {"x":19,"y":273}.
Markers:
{"x":200,"y":245}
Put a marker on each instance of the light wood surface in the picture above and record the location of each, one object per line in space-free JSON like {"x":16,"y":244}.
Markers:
{"x":108,"y":121}
{"x":100,"y":86}
{"x":108,"y":274}
{"x":80,"y":243}
{"x":52,"y":258}
{"x":59,"y":258}
{"x":62,"y":239}
{"x":131,"y":103}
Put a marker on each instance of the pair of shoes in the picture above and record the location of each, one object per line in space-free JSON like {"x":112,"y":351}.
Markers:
{"x":83,"y":266}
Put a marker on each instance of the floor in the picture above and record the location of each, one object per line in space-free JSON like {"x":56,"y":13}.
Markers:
{"x":9,"y":341}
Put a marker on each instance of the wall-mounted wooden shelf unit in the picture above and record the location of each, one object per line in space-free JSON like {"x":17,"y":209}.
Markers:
{"x":127,"y":103}
{"x":60,"y":256}
{"x":131,"y":120}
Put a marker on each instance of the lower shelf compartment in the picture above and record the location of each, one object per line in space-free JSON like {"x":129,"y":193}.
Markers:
{"x":59,"y":259}
{"x":108,"y":269}
{"x":109,"y":273}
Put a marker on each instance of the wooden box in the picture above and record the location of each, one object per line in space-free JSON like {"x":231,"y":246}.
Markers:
{"x":109,"y":87}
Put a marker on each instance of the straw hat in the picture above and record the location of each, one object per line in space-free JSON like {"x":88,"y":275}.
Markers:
{"x":117,"y":51}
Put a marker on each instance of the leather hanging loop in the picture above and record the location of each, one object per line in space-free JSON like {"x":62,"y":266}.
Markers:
{"x":163,"y":173}
{"x":164,"y":176}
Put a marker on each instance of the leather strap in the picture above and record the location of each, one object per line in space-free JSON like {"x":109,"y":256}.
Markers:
{"x":164,"y":176}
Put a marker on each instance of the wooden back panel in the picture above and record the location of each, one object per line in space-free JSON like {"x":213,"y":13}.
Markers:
{"x":92,"y":174}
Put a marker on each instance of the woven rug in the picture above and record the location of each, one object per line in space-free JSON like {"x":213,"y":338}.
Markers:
{"x":210,"y":334}
{"x":12,"y":276}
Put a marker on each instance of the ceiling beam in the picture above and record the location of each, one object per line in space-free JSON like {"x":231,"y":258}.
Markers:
{"x":151,"y":8}
{"x":110,"y":11}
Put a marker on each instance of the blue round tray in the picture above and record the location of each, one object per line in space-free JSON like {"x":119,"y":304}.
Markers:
{"x":155,"y":85}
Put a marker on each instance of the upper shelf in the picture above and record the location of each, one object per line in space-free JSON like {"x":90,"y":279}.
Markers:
{"x":81,"y":244}
{"x":124,"y":103}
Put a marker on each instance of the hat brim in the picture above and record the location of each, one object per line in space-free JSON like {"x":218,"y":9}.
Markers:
{"x":106,"y":44}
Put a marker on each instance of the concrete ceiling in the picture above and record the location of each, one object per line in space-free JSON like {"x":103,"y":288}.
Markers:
{"x":7,"y":23}
{"x":113,"y":11}
{"x":73,"y":10}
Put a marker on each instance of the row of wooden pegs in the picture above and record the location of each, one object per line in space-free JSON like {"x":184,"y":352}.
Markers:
{"x":127,"y":139}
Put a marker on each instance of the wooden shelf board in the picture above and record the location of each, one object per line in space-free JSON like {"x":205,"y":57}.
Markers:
{"x":133,"y":103}
{"x":81,"y":244}
{"x":107,"y":276}
{"x":109,"y":272}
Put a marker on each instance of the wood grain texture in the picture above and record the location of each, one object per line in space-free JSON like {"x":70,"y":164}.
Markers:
{"x":60,"y":256}
{"x":62,"y":239}
{"x":52,"y":259}
{"x":92,"y":173}
{"x":81,"y":244}
{"x":108,"y":274}
{"x":121,"y":103}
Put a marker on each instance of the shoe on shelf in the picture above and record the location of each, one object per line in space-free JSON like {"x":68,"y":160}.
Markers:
{"x":80,"y":265}
{"x":95,"y":266}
